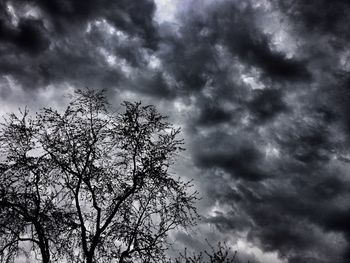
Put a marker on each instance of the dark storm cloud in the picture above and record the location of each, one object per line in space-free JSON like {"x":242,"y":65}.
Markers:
{"x":300,"y":192}
{"x":132,"y":17}
{"x":28,"y":36}
{"x":74,"y":42}
{"x":274,"y":155}
{"x":241,"y":36}
{"x":64,"y":62}
{"x":194,"y":59}
{"x":287,"y":220}
{"x":267,"y":103}
{"x":151,"y":83}
{"x":319,"y":16}
{"x":238,"y":158}
{"x":213,"y":114}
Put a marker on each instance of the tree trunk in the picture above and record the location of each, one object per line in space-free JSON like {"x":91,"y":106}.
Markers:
{"x":45,"y":255}
{"x":89,"y":256}
{"x":43,"y":243}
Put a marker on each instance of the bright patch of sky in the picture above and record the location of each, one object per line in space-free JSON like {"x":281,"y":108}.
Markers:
{"x":166,"y":10}
{"x":265,"y":257}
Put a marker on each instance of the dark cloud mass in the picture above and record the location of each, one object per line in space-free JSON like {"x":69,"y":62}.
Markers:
{"x":261,"y":89}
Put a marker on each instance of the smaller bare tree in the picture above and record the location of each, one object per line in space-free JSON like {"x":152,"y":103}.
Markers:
{"x":219,"y":254}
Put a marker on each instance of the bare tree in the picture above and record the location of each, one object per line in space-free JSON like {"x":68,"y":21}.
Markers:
{"x":93,"y":185}
{"x":29,"y":202}
{"x":219,"y":254}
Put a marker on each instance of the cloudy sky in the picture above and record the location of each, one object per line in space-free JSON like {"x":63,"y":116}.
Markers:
{"x":261,"y":89}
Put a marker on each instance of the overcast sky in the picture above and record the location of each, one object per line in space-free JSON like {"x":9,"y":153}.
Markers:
{"x":261,"y":90}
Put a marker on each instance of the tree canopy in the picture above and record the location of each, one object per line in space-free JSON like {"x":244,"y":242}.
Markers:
{"x":91,"y":185}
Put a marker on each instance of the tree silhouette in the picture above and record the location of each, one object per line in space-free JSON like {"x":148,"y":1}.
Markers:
{"x":219,"y":254}
{"x":29,"y":201}
{"x":90,"y":185}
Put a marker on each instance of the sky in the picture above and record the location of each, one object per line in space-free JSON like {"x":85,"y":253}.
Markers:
{"x":260,"y":88}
